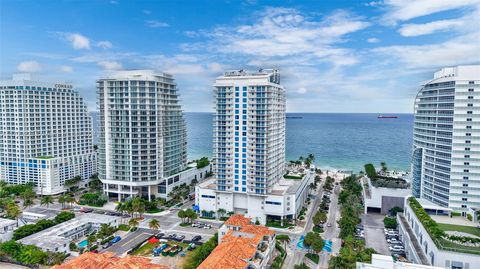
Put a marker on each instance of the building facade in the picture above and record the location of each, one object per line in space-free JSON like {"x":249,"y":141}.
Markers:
{"x":142,"y":132}
{"x":46,"y":134}
{"x":249,"y":150}
{"x":446,"y":139}
{"x":422,"y":248}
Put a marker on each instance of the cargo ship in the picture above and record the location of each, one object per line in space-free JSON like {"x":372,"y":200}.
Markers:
{"x":386,"y":117}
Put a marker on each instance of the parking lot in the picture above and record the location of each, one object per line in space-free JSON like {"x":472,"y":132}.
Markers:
{"x":374,"y":233}
{"x":130,"y":241}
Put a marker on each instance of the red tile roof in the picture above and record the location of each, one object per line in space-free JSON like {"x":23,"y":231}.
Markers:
{"x":238,"y":220}
{"x":237,"y":247}
{"x":108,"y":260}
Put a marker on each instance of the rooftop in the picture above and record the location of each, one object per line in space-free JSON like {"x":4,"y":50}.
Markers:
{"x":387,"y":262}
{"x":108,"y":260}
{"x":237,"y":247}
{"x":7,"y":222}
{"x":54,"y":236}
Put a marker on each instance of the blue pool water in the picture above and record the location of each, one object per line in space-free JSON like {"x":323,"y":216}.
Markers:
{"x":328,"y":246}
{"x":83,"y":244}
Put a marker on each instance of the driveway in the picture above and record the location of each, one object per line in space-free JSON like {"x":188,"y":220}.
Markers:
{"x":130,"y":241}
{"x":374,"y":235}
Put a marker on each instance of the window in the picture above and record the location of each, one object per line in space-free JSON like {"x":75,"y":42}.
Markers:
{"x":469,"y":105}
{"x":469,"y":112}
{"x":465,"y":178}
{"x":470,"y":97}
{"x":465,"y":185}
{"x":466,"y":163}
{"x":469,"y":119}
{"x":469,"y":127}
{"x":468,"y":134}
{"x":466,"y":170}
{"x":470,"y":90}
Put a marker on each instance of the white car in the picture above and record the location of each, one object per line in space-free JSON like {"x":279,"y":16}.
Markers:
{"x":393,"y":241}
{"x":396,"y":248}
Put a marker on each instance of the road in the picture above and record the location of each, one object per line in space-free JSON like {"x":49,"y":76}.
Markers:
{"x":130,"y":241}
{"x":298,"y":254}
{"x":332,"y":232}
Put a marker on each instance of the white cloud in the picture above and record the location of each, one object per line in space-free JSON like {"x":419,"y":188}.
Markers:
{"x":404,"y":10}
{"x":78,"y":41}
{"x":29,"y":66}
{"x":373,"y":3}
{"x":104,"y":44}
{"x":285,"y":32}
{"x":156,"y":24}
{"x":110,"y":65}
{"x":373,"y":40}
{"x":429,"y":28}
{"x":66,"y":69}
{"x":301,"y":90}
{"x":452,"y":52}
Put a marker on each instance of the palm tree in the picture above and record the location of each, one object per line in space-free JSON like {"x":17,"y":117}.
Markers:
{"x":61,"y":200}
{"x":285,"y":239}
{"x":13,"y":211}
{"x":154,"y":224}
{"x":27,"y":197}
{"x":70,"y":200}
{"x":221,"y":212}
{"x":91,"y":239}
{"x":46,"y":200}
{"x":133,"y":223}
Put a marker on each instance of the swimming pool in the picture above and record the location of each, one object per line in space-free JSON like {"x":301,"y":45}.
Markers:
{"x":83,"y":244}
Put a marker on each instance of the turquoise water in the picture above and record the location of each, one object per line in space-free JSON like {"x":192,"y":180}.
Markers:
{"x":342,"y":141}
{"x":83,"y":244}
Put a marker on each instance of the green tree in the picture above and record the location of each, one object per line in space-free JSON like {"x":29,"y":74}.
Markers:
{"x":13,"y":211}
{"x":190,"y":214}
{"x":61,"y":200}
{"x":46,"y":200}
{"x":154,"y":224}
{"x":285,"y":239}
{"x":133,"y":223}
{"x":182,"y":215}
{"x":221,"y":212}
{"x":27,"y":197}
{"x":301,"y":266}
{"x":70,"y":200}
{"x":91,"y":240}
{"x":203,"y":162}
{"x":64,"y":216}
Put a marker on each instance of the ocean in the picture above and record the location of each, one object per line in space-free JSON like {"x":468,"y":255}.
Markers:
{"x":343,"y":141}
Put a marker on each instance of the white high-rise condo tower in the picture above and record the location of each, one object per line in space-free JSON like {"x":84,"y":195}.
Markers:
{"x":446,"y":139}
{"x":249,"y":148}
{"x":142,"y":146}
{"x":45,"y":134}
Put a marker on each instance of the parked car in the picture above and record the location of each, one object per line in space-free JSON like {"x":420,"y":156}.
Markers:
{"x":180,"y":238}
{"x":196,"y":238}
{"x":159,"y":235}
{"x":107,"y":245}
{"x":116,"y":239}
{"x":393,"y":240}
{"x":172,"y":236}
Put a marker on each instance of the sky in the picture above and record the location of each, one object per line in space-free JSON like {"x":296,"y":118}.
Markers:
{"x":334,"y":56}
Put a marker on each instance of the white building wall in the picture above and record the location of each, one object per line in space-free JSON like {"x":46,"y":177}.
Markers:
{"x":49,"y":120}
{"x":436,"y":256}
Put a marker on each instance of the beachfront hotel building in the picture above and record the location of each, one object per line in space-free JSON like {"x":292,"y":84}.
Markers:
{"x":143,"y":137}
{"x":446,"y":139}
{"x":45,"y":134}
{"x":249,"y":150}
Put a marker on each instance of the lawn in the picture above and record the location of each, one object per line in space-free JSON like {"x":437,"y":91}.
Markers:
{"x":459,"y":228}
{"x":447,"y":245}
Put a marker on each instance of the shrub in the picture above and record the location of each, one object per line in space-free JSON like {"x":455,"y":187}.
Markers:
{"x":198,"y":255}
{"x":64,"y":216}
{"x":123,"y":227}
{"x":203,"y":162}
{"x":390,"y":223}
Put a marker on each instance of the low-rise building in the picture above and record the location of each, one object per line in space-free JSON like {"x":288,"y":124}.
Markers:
{"x":34,"y":214}
{"x":387,"y":262}
{"x":423,"y":248}
{"x":241,"y":245}
{"x":108,"y":260}
{"x":6,"y":229}
{"x":381,"y":199}
{"x":58,"y":237}
{"x":283,"y":202}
